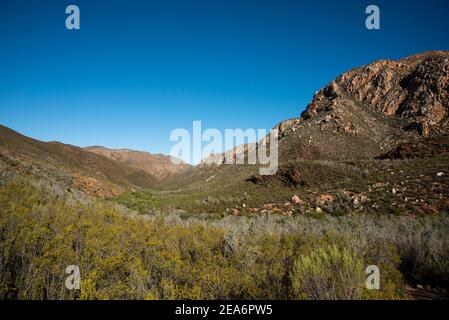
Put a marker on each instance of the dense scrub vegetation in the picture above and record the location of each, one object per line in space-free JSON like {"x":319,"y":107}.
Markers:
{"x":410,"y":186}
{"x":123,"y":255}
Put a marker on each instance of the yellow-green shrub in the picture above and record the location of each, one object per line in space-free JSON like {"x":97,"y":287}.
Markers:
{"x":121,"y":256}
{"x":328,"y":272}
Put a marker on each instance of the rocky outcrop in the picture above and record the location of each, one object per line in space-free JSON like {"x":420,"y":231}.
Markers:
{"x":287,"y":127}
{"x":232,"y":156}
{"x":415,"y":88}
{"x":368,"y":111}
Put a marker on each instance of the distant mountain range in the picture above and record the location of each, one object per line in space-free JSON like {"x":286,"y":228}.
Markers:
{"x":158,"y":165}
{"x":96,"y":171}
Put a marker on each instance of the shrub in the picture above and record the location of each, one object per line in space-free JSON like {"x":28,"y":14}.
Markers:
{"x":131,"y":256}
{"x":328,"y":272}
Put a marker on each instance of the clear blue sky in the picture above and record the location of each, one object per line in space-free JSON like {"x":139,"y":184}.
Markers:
{"x":139,"y":69}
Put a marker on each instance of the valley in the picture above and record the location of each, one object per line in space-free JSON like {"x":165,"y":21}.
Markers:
{"x":363,"y":179}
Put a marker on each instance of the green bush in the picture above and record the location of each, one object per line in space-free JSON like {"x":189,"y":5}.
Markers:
{"x":328,"y":273}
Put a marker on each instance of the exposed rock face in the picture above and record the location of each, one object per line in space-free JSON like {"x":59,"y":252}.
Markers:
{"x":233,"y":155}
{"x":160,"y":166}
{"x":287,"y":127}
{"x":416,"y":88}
{"x":370,"y":110}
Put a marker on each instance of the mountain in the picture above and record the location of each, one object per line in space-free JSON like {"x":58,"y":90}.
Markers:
{"x":372,"y":110}
{"x":336,"y":154}
{"x":158,"y":165}
{"x":385,"y":110}
{"x":94,"y":174}
{"x":369,"y":112}
{"x":234,"y":155}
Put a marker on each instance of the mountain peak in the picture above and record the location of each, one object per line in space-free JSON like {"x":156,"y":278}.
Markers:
{"x":374,"y":108}
{"x":415,"y":88}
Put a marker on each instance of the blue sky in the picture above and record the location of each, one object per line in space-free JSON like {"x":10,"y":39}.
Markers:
{"x":139,"y":69}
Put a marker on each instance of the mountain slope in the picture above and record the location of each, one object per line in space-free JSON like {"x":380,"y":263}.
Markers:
{"x":158,"y":165}
{"x":92,"y":173}
{"x":366,"y":113}
{"x":369,"y":111}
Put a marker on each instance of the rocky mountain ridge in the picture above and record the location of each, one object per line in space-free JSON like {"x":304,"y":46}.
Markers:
{"x":370,"y":110}
{"x":415,"y":88}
